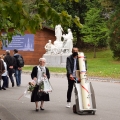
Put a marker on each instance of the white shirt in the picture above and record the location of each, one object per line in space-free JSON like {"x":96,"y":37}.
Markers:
{"x":5,"y":65}
{"x":74,"y":69}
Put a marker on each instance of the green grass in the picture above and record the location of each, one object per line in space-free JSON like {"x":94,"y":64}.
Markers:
{"x":101,"y":66}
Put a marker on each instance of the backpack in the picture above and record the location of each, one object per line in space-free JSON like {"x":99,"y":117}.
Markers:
{"x":20,"y":61}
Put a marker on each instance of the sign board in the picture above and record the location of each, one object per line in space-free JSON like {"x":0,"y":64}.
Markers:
{"x":19,"y":42}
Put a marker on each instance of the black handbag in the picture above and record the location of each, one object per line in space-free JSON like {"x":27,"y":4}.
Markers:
{"x":39,"y":94}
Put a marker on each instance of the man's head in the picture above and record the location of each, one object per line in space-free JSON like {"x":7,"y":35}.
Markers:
{"x":15,"y":51}
{"x":75,"y":51}
{"x":7,"y":52}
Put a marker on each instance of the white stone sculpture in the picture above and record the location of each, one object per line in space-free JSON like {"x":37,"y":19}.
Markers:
{"x":60,"y":47}
{"x":68,"y":41}
{"x":51,"y":48}
{"x":58,"y":32}
{"x":48,"y":47}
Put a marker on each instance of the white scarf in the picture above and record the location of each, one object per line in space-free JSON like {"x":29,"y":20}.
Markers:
{"x":41,"y":71}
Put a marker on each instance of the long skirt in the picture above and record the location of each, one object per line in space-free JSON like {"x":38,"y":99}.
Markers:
{"x":35,"y":98}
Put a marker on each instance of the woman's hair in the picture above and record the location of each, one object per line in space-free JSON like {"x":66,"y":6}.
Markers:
{"x":4,"y":54}
{"x":1,"y":57}
{"x":43,"y":59}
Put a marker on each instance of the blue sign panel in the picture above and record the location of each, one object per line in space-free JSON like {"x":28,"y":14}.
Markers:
{"x":19,"y":42}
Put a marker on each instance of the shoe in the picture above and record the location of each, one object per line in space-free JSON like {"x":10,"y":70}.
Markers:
{"x":12,"y":84}
{"x":37,"y":110}
{"x":68,"y":105}
{"x":0,"y":88}
{"x":41,"y":108}
{"x":3,"y":88}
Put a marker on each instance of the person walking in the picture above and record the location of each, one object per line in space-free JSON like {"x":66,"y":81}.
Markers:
{"x":71,"y":67}
{"x":2,"y":70}
{"x":4,"y":75}
{"x":11,"y":62}
{"x":18,"y":66}
{"x":37,"y":74}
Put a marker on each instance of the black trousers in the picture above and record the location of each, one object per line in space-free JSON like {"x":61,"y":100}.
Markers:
{"x":10,"y":72}
{"x":70,"y":88}
{"x":5,"y":80}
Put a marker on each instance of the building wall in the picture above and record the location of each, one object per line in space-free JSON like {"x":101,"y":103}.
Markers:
{"x":40,"y":39}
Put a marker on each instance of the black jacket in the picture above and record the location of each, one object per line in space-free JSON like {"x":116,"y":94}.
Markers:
{"x":16,"y":57}
{"x":10,"y":61}
{"x":35,"y":70}
{"x":70,"y":65}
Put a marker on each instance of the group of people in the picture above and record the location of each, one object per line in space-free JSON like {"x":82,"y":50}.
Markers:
{"x":42,"y":71}
{"x":9,"y":65}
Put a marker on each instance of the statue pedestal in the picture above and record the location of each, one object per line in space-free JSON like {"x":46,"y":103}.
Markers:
{"x":58,"y":60}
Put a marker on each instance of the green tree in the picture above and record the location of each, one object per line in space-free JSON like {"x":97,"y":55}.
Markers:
{"x":21,"y":16}
{"x":74,"y":8}
{"x":113,"y":6}
{"x":80,"y":9}
{"x":114,"y":34}
{"x":94,"y":29}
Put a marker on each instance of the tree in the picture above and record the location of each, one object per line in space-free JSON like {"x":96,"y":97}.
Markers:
{"x":74,"y":8}
{"x":21,"y":16}
{"x":80,"y":9}
{"x":114,"y":34}
{"x":94,"y":29}
{"x":113,"y":7}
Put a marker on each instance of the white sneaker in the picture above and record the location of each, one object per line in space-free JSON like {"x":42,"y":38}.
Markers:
{"x":68,"y":105}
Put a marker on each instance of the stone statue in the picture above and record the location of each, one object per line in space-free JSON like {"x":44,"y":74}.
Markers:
{"x":51,"y":48}
{"x":60,"y":47}
{"x":68,"y":41}
{"x":58,"y":32}
{"x":48,"y":46}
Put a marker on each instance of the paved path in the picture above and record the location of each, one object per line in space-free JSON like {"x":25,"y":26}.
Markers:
{"x":107,"y":99}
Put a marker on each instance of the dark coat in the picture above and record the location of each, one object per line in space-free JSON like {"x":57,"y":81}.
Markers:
{"x":35,"y":70}
{"x":10,"y":61}
{"x":70,"y":65}
{"x":16,"y":57}
{"x":2,"y":68}
{"x":34,"y":96}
